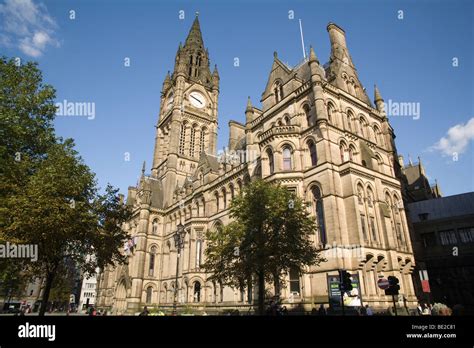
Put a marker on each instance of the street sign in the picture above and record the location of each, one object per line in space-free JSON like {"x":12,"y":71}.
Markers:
{"x":383,"y":283}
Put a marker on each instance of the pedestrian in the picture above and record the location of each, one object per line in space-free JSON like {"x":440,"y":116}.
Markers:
{"x":145,"y":312}
{"x":362,"y":311}
{"x":284,"y":311}
{"x":419,"y":308}
{"x":368,"y":310}
{"x":321,"y":310}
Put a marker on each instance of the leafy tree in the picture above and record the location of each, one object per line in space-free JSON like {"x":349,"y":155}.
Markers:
{"x":12,"y":280}
{"x":48,"y":196}
{"x":269,"y":235}
{"x":60,"y":210}
{"x":26,"y":132}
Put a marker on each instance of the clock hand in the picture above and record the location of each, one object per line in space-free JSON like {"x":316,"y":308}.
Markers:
{"x":200,"y":102}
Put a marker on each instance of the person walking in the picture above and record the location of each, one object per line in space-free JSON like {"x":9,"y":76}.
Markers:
{"x":321,"y":310}
{"x":145,"y":312}
{"x":368,"y":310}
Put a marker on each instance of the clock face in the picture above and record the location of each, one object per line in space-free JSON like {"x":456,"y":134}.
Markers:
{"x":169,"y":101}
{"x":197,"y":100}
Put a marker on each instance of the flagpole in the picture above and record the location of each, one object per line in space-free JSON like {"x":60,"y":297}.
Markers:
{"x":302,"y":40}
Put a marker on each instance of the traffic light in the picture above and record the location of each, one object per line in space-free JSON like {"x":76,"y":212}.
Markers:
{"x":345,"y":281}
{"x":393,"y":286}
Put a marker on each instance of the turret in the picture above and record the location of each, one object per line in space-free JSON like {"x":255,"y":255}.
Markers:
{"x":342,"y":72}
{"x":166,"y":83}
{"x":249,"y":111}
{"x":316,"y":81}
{"x":379,"y":102}
{"x":215,"y":78}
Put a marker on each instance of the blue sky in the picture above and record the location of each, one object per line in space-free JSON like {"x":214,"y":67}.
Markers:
{"x":410,"y":59}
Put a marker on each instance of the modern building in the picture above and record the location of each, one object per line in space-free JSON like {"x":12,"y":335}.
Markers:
{"x":88,"y":293}
{"x":443,"y":241}
{"x":316,"y":132}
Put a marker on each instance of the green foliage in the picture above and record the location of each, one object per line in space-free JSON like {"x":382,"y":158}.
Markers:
{"x":26,"y":132}
{"x":269,"y":236}
{"x":48,"y":196}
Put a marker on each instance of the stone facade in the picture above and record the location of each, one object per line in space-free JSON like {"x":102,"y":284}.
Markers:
{"x":317,"y":133}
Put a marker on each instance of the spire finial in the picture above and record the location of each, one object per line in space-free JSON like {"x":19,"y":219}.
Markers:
{"x":143,"y":169}
{"x":312,"y":55}
{"x":197,"y":14}
{"x":377,"y":95}
{"x":409,"y":160}
{"x":249,"y":104}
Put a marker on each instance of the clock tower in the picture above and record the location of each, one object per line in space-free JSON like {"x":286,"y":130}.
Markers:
{"x":187,"y":123}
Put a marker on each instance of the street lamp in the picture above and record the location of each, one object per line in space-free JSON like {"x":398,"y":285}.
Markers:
{"x":179,"y":243}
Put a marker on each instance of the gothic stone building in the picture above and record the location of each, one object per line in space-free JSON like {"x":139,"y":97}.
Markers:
{"x":317,"y":133}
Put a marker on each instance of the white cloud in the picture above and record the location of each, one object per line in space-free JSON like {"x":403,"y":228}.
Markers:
{"x":456,"y":139}
{"x":28,"y":26}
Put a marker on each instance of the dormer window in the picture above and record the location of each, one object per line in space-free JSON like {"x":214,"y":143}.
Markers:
{"x":278,"y":91}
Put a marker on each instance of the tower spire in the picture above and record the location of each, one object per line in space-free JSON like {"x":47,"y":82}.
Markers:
{"x":312,"y":55}
{"x":195,"y":36}
{"x":249,"y":104}
{"x":377,"y":95}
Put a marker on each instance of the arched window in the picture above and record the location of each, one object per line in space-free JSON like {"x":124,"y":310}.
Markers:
{"x":287,"y":158}
{"x":349,"y":121}
{"x":370,"y":197}
{"x":151,"y":267}
{"x":352,"y":153}
{"x":149,"y":294}
{"x":154,"y":228}
{"x":202,"y":140}
{"x":286,"y":119}
{"x":197,"y":291}
{"x":312,"y":152}
{"x":216,"y":197}
{"x":192,"y":141}
{"x":224,"y":198}
{"x":182,"y":138}
{"x":360,"y":194}
{"x":331,"y":113}
{"x":232,"y":191}
{"x":378,"y":136}
{"x":239,"y":183}
{"x":318,"y":203}
{"x":377,"y":163}
{"x":198,"y":60}
{"x":198,"y":253}
{"x":271,"y":163}
{"x":307,"y":113}
{"x":345,"y":155}
{"x":278,"y":91}
{"x":363,"y":125}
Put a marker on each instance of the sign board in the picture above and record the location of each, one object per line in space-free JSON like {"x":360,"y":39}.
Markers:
{"x":351,"y":298}
{"x":383,"y":283}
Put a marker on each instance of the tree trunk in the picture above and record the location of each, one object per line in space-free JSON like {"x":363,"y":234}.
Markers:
{"x":261,"y":293}
{"x":276,"y":284}
{"x":47,"y":289}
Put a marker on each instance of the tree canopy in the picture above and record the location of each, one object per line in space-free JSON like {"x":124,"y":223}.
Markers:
{"x":270,"y":235}
{"x":48,"y":195}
